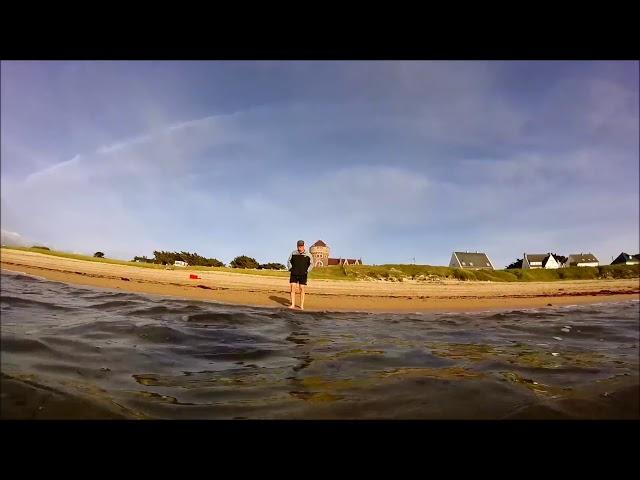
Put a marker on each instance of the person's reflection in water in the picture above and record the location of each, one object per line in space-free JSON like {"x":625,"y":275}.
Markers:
{"x":299,"y":337}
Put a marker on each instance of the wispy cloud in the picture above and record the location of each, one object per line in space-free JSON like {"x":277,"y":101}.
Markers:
{"x":12,"y":238}
{"x":384,"y":160}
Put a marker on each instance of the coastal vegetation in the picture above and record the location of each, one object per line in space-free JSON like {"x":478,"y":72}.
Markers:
{"x":389,"y":273}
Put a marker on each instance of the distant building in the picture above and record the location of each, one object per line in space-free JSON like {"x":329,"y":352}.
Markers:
{"x":345,"y":261}
{"x":625,"y":258}
{"x":582,"y":260}
{"x":540,"y":260}
{"x":320,"y":253}
{"x":180,"y":263}
{"x":470,"y":260}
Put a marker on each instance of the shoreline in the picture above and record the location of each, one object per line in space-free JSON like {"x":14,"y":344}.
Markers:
{"x":323,"y":295}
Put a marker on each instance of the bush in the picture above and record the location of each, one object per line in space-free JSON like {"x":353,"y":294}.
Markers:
{"x":169,"y":258}
{"x":40,"y":247}
{"x":272,"y":266}
{"x":389,"y":271}
{"x":516,"y":264}
{"x":496,"y":275}
{"x":244,"y":262}
{"x":619,"y":271}
{"x":142,"y":259}
{"x":461,"y":274}
{"x":98,"y":255}
{"x":578,"y":273}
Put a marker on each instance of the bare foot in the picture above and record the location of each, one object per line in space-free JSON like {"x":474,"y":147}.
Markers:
{"x":292,"y":307}
{"x":301,"y":307}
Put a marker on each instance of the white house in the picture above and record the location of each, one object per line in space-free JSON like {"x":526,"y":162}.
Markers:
{"x":180,"y":263}
{"x":582,"y":260}
{"x":470,"y":260}
{"x":539,"y":260}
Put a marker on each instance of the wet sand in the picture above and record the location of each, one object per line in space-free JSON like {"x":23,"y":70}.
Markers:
{"x":322,"y":295}
{"x":27,"y":400}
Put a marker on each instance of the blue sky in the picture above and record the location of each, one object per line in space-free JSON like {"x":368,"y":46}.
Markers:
{"x":386,"y":161}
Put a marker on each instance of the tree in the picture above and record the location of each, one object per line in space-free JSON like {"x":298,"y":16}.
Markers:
{"x":516,"y":264}
{"x":98,"y":255}
{"x":272,"y":266}
{"x":142,"y":259}
{"x":244,"y":262}
{"x":214,"y":262}
{"x":169,"y":258}
{"x":560,"y":259}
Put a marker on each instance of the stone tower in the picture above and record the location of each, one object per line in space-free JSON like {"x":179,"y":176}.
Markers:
{"x":320,"y":253}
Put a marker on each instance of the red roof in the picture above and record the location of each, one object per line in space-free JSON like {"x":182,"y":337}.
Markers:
{"x":319,"y":243}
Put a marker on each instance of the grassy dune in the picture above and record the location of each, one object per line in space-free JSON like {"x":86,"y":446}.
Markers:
{"x":426,"y":273}
{"x":399,"y":273}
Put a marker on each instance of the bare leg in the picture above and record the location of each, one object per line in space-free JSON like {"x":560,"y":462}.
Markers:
{"x":301,"y":297}
{"x":293,"y":295}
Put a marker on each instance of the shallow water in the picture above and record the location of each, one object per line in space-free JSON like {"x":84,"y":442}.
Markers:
{"x":79,"y":352}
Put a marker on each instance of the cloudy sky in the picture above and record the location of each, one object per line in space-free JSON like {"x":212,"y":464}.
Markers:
{"x":386,"y":161}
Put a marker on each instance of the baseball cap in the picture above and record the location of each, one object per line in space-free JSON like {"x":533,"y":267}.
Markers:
{"x":300,"y":243}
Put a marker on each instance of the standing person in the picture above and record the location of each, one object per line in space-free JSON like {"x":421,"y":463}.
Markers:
{"x":300,"y":264}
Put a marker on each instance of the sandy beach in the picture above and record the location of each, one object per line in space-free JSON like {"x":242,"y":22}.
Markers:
{"x":323,"y":295}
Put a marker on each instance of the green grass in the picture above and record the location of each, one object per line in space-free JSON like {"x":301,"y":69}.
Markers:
{"x":395,"y":272}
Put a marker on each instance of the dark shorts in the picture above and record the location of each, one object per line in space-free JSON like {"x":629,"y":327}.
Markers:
{"x":301,"y":279}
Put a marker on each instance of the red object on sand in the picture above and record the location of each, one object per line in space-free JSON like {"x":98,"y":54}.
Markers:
{"x":191,"y":275}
